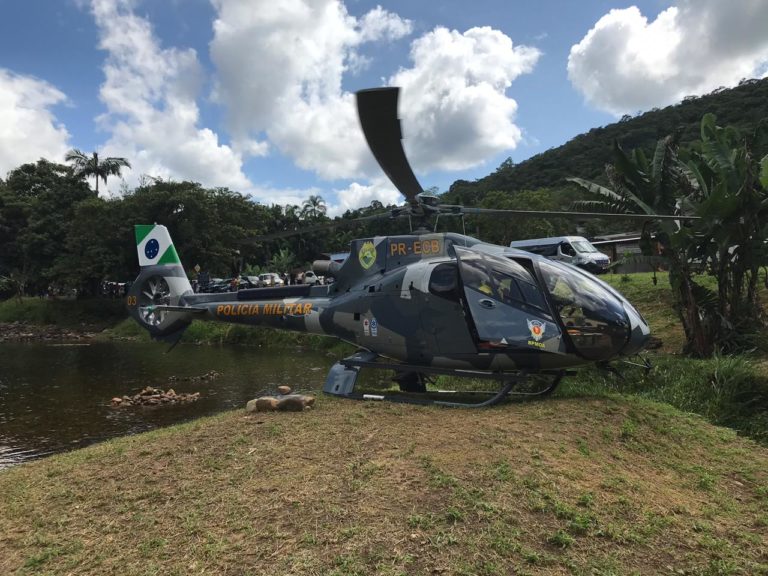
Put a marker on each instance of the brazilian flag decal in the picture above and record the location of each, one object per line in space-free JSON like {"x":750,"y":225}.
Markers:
{"x":154,"y":245}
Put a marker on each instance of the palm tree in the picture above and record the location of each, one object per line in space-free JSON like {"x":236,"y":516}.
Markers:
{"x":313,"y":207}
{"x":86,"y":166}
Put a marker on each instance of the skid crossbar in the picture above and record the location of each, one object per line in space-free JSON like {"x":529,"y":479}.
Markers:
{"x":343,"y":375}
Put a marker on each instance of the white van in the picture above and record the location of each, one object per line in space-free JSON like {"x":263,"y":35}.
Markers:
{"x":575,"y":250}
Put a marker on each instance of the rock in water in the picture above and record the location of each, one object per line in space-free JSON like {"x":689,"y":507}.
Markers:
{"x":154,"y":397}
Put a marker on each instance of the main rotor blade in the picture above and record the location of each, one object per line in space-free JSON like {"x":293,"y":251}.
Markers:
{"x":377,"y":110}
{"x":568,"y":215}
{"x":341,"y":222}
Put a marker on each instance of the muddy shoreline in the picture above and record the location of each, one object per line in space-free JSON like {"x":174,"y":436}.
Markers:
{"x":24,"y":332}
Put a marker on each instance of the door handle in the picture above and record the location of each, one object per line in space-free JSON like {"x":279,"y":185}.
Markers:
{"x":487,"y":303}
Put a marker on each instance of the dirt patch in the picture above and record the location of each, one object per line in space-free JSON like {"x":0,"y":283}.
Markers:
{"x":24,"y":332}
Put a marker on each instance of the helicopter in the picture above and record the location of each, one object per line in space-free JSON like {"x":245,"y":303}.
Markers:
{"x":423,"y":304}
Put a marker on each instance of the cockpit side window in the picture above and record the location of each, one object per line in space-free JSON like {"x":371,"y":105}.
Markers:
{"x":504,"y":280}
{"x":516,"y":286}
{"x":475,"y":275}
{"x":444,"y":281}
{"x":508,"y":288}
{"x":532,"y":295}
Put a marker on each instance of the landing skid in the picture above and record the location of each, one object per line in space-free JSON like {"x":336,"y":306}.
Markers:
{"x":342,"y":378}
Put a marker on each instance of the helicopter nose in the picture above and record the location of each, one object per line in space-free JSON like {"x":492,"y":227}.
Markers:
{"x":639,"y":331}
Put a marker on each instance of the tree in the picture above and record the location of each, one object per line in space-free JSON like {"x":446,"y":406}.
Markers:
{"x":207,"y":225}
{"x":283,"y":261}
{"x":657,"y":189}
{"x":86,"y":166}
{"x":89,"y":254}
{"x":732,"y":183}
{"x":502,"y":230}
{"x":725,"y":186}
{"x":313,"y":207}
{"x":36,"y":211}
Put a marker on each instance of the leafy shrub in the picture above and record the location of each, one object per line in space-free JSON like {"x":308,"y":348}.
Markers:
{"x":727,"y":390}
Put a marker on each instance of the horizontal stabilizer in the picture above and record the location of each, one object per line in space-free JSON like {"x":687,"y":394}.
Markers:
{"x":190,"y":309}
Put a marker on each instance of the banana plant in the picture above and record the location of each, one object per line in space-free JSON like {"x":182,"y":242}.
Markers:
{"x":663,"y":186}
{"x":733,"y":187}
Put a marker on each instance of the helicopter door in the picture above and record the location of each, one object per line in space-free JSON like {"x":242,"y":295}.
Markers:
{"x":506,"y":304}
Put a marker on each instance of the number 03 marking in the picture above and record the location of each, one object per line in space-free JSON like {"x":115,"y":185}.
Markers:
{"x":132,"y":301}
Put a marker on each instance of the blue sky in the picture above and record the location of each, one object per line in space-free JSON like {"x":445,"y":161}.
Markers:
{"x":256,"y":95}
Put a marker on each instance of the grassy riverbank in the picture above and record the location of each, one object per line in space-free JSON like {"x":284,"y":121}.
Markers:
{"x":583,"y":485}
{"x":587,"y":482}
{"x":96,"y":314}
{"x":731,"y":390}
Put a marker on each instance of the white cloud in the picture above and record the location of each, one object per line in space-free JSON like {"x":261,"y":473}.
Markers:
{"x":28,"y":129}
{"x":626,"y":63}
{"x":280,"y":68}
{"x":378,"y":24}
{"x":280,"y":71}
{"x":269,"y":196}
{"x":150,"y":93}
{"x":356,"y":195}
{"x":454,"y":103}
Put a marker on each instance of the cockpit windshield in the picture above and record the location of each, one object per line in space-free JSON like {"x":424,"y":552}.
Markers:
{"x":594,"y":318}
{"x":583,"y":247}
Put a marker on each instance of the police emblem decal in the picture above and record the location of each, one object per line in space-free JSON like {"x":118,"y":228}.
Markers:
{"x":367,"y":255}
{"x":537,"y":328}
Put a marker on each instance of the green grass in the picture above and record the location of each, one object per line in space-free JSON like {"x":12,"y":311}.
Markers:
{"x":609,"y":476}
{"x":99,"y":313}
{"x":407,"y":490}
{"x":727,"y":390}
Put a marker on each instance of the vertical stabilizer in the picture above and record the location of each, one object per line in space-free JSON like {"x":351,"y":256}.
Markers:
{"x":162,"y":283}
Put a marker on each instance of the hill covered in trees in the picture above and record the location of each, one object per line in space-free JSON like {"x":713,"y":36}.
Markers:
{"x":586,"y":155}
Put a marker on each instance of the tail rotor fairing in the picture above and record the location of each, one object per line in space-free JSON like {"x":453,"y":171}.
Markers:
{"x":155,"y":292}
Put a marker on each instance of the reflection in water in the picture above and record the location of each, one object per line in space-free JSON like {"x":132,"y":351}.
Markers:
{"x":57,"y":397}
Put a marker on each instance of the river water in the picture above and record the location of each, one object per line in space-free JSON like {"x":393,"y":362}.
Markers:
{"x":56,"y":397}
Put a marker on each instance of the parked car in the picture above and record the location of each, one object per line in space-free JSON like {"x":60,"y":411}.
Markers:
{"x":219,"y":285}
{"x":212,"y":285}
{"x":250,"y":282}
{"x":270,"y":279}
{"x":310,"y":278}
